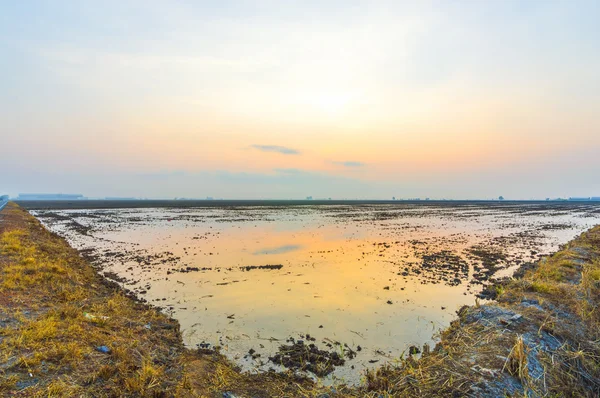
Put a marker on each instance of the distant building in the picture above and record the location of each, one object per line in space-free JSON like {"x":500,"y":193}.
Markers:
{"x":49,"y":196}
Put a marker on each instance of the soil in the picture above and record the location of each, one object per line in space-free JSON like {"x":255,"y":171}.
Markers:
{"x":307,"y":357}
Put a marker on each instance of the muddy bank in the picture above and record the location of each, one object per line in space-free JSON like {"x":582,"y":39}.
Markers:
{"x":382,"y":277}
{"x":67,"y":331}
{"x":540,"y":337}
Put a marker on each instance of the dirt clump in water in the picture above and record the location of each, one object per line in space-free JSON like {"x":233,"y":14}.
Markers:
{"x":307,"y":357}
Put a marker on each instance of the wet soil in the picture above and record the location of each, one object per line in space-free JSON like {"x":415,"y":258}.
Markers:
{"x":386,"y":262}
{"x":307,"y":357}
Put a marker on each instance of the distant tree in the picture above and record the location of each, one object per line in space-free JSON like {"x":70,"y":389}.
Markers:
{"x":500,"y":197}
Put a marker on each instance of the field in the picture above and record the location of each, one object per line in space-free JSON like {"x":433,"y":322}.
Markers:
{"x":540,"y":335}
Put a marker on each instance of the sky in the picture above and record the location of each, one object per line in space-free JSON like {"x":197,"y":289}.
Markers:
{"x":288,"y":99}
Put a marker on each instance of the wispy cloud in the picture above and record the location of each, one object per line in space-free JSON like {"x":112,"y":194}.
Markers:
{"x":350,"y":163}
{"x":276,"y":148}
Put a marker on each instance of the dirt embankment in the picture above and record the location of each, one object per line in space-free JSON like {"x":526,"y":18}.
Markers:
{"x":66,"y":331}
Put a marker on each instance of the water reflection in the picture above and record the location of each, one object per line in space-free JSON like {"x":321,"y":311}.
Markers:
{"x":368,"y":276}
{"x":278,"y":250}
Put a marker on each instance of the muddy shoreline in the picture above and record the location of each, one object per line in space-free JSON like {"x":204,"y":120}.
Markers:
{"x":495,"y":349}
{"x":408,"y":253}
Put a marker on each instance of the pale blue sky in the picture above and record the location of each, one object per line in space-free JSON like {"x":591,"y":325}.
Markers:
{"x":454,"y":99}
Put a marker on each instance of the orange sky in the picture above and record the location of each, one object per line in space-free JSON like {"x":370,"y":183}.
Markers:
{"x":409,"y":96}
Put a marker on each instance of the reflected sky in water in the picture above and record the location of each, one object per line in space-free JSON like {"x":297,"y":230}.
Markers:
{"x":278,"y":250}
{"x":344,"y":269}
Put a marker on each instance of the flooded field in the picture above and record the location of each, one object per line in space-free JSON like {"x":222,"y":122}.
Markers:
{"x":330,"y":290}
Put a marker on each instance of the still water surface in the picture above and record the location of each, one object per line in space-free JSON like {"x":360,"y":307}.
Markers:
{"x":382,"y":277}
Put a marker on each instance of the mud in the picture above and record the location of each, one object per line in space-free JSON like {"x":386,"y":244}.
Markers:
{"x":308,"y":357}
{"x":370,"y":281}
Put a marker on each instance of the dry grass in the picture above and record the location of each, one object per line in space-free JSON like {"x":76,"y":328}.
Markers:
{"x":49,"y":347}
{"x":516,"y":363}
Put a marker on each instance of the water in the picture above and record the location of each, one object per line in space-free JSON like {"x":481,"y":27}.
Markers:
{"x":382,"y":277}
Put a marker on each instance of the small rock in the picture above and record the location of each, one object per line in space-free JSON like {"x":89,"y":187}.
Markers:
{"x":103,"y":349}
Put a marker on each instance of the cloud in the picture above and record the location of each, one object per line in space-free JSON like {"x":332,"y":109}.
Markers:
{"x":276,"y":148}
{"x":350,"y":163}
